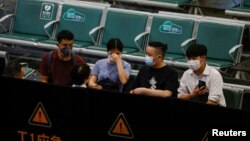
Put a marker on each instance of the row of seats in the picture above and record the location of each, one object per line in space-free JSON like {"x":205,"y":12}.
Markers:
{"x":170,"y":4}
{"x":242,"y":10}
{"x":36,"y":23}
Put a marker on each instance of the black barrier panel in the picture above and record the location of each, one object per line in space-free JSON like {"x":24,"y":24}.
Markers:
{"x":34,"y":111}
{"x":63,"y":114}
{"x":195,"y":120}
{"x":143,"y":117}
{"x":246,"y":102}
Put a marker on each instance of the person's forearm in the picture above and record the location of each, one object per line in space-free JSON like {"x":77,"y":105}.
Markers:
{"x":43,"y":78}
{"x":186,"y":96}
{"x":211,"y":102}
{"x":122,"y":74}
{"x":158,"y":93}
{"x":92,"y":82}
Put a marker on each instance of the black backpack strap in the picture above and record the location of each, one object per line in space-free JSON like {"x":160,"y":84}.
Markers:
{"x":74,"y":59}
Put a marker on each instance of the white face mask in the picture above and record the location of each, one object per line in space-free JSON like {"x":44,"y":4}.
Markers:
{"x":111,"y":59}
{"x":194,"y":64}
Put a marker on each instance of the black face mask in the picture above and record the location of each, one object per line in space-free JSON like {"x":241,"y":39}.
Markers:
{"x":66,"y":51}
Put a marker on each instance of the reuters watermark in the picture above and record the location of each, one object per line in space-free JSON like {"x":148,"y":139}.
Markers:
{"x":228,"y":133}
{"x":218,"y":134}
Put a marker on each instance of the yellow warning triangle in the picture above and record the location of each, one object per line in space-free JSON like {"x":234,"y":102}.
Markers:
{"x":121,"y":128}
{"x":40,"y":117}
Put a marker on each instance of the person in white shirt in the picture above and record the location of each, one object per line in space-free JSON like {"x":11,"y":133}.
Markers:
{"x":201,"y":83}
{"x":80,"y":75}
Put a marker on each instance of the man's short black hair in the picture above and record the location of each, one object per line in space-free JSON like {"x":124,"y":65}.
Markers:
{"x":196,"y":50}
{"x":162,"y":48}
{"x":114,"y":43}
{"x":65,"y":34}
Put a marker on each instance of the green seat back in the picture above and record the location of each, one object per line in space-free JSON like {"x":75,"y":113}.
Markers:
{"x":80,"y":20}
{"x":219,"y":39}
{"x":124,"y":25}
{"x":171,"y":31}
{"x":233,"y":97}
{"x":32,"y":15}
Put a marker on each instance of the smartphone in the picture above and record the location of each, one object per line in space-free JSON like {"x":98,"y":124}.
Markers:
{"x":201,"y":83}
{"x":202,"y":98}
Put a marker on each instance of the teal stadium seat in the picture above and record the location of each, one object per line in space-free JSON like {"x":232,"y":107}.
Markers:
{"x":28,"y":22}
{"x":223,"y":40}
{"x":233,"y":97}
{"x":80,"y":19}
{"x":171,"y":31}
{"x":243,"y":10}
{"x":127,"y":25}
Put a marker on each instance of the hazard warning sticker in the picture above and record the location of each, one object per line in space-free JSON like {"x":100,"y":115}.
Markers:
{"x":121,"y":128}
{"x":39,"y":117}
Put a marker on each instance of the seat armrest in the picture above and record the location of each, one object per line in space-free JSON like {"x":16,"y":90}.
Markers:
{"x":138,"y":37}
{"x":46,"y":26}
{"x":3,"y":19}
{"x":6,"y":17}
{"x":185,"y":43}
{"x":233,"y":49}
{"x":92,"y":31}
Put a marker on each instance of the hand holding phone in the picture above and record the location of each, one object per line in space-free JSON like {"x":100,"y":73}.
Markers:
{"x":201,"y":83}
{"x":204,"y":96}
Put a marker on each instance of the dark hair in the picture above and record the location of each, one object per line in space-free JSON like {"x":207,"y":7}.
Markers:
{"x":195,"y":50}
{"x":114,"y":43}
{"x":80,"y":73}
{"x":12,"y":69}
{"x":65,"y":34}
{"x":160,"y":47}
